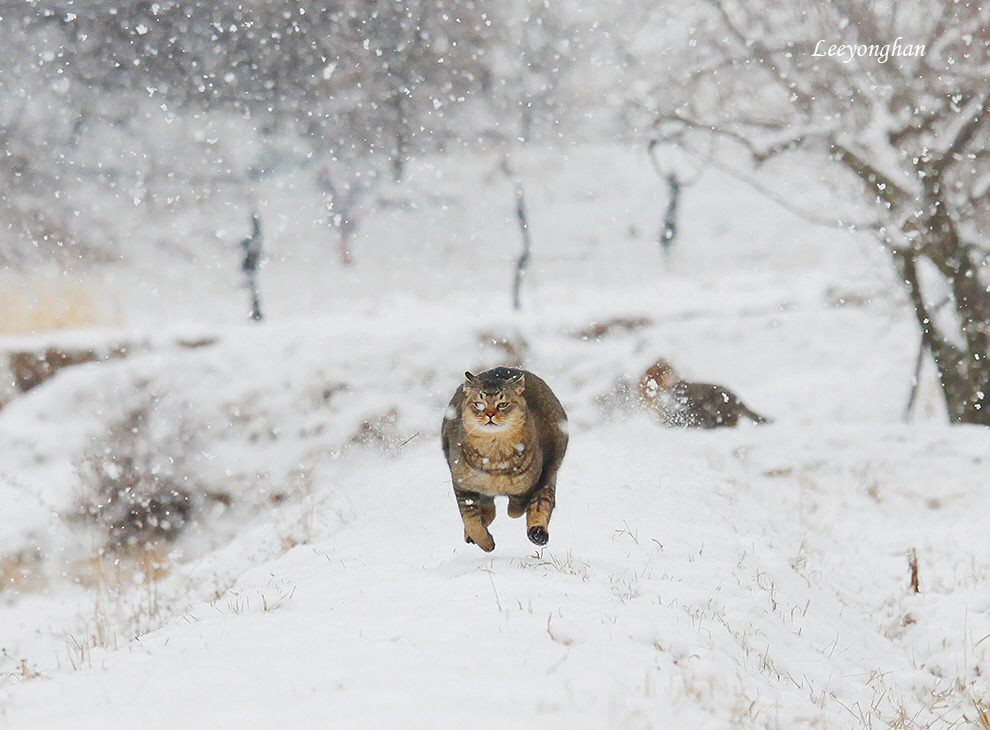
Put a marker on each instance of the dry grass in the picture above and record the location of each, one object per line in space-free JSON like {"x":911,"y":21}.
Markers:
{"x":127,"y":599}
{"x":982,"y":714}
{"x":21,"y":572}
{"x":137,"y":564}
{"x":38,"y":304}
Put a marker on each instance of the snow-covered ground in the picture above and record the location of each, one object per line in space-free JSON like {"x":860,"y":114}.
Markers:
{"x":751,"y":577}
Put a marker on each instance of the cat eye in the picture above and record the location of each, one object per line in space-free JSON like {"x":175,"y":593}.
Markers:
{"x":479,"y":406}
{"x":502,"y":406}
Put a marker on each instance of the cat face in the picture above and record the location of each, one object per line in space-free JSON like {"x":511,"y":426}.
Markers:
{"x":660,"y":376}
{"x":493,"y":409}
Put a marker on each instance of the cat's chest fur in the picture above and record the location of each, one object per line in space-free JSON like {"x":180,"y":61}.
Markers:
{"x":501,"y":463}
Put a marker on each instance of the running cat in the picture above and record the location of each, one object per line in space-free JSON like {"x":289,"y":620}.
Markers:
{"x":699,"y":405}
{"x":504,"y":434}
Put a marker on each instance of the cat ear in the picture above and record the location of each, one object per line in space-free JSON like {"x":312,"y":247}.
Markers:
{"x":468,"y":377}
{"x":518,"y":383}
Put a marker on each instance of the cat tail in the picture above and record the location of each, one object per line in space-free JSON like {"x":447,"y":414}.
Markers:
{"x":754,"y":416}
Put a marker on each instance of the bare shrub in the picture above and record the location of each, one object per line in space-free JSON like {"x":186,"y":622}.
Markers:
{"x":23,"y":370}
{"x":597,"y":330}
{"x":136,"y":492}
{"x":511,"y":349}
{"x":380,"y":431}
{"x":32,"y":369}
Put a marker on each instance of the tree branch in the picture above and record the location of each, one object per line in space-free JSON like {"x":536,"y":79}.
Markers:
{"x":967,"y":130}
{"x":882,"y":185}
{"x":790,"y":207}
{"x":943,"y":351}
{"x":762,"y":54}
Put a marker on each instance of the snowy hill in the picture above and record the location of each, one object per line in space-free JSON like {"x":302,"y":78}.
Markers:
{"x":751,"y":577}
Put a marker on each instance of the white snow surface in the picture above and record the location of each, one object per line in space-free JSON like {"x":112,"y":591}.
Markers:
{"x":755,"y":577}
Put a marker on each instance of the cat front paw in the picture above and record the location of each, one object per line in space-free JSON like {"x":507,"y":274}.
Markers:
{"x":538,"y":535}
{"x":487,"y":543}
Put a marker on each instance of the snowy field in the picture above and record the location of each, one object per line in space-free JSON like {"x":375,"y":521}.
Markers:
{"x":755,"y":577}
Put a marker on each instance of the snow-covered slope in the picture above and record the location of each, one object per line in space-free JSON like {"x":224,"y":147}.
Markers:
{"x":750,"y":577}
{"x":691,"y":581}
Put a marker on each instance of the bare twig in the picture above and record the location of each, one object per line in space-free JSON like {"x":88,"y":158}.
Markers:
{"x":967,"y":130}
{"x":565,"y":640}
{"x":494,"y":590}
{"x":913,"y":565}
{"x":764,"y":55}
{"x":790,"y":207}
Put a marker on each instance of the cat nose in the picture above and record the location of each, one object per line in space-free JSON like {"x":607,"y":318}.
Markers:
{"x":490,"y":412}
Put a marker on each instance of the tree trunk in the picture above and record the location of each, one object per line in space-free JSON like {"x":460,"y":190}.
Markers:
{"x":964,"y":365}
{"x":523,"y":261}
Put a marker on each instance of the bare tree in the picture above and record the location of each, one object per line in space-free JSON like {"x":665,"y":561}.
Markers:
{"x":895,"y":96}
{"x":357,"y":84}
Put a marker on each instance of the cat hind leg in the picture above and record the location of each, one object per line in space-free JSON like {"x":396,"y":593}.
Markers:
{"x":538,"y":513}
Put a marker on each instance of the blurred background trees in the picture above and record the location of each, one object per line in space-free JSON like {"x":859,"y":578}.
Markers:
{"x":172,"y":104}
{"x":349,"y":89}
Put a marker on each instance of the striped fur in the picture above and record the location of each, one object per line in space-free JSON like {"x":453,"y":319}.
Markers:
{"x":504,"y":435}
